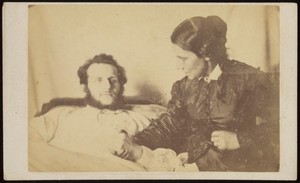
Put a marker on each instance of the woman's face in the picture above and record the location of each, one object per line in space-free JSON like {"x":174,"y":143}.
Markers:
{"x":190,"y":63}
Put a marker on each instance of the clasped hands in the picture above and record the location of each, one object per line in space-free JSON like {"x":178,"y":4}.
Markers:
{"x":124,"y":147}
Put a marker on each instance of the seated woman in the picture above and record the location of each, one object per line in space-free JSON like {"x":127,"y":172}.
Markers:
{"x":221,"y":113}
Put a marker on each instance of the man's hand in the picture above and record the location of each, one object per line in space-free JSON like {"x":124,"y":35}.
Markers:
{"x":124,"y":147}
{"x":225,"y":140}
{"x":183,"y":157}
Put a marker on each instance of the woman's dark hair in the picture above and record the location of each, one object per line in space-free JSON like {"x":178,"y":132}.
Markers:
{"x":101,"y":59}
{"x":206,"y":37}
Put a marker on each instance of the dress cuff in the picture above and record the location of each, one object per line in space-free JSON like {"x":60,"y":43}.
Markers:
{"x":196,"y":149}
{"x":244,"y":139}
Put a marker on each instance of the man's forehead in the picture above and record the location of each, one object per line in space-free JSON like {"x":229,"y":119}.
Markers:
{"x":102,"y":70}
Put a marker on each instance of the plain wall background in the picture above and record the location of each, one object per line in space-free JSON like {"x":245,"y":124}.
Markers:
{"x":63,"y":37}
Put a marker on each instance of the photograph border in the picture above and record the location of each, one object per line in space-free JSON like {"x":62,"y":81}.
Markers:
{"x":15,"y":105}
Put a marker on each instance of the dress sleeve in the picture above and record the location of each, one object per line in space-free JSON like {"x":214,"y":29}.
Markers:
{"x":263,"y":136}
{"x":164,"y":131}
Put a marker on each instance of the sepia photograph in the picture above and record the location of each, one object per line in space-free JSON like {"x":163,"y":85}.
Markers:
{"x":139,"y":90}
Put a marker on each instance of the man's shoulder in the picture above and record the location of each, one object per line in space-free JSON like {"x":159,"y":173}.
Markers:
{"x":60,"y":102}
{"x":62,"y":110}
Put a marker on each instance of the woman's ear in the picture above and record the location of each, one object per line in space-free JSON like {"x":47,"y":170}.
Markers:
{"x":207,"y":59}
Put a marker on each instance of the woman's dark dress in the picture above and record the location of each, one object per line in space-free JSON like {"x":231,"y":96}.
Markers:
{"x":232,"y":103}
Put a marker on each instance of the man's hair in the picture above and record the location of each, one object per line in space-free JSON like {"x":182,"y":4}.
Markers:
{"x":83,"y":76}
{"x":101,"y":59}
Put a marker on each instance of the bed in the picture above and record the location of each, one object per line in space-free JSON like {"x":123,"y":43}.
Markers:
{"x":43,"y":157}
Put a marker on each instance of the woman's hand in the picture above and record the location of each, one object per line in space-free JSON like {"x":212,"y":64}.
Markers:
{"x":225,"y":140}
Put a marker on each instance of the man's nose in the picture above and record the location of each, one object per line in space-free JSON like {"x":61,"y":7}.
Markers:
{"x":106,"y":85}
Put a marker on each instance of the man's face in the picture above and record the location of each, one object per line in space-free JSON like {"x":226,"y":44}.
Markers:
{"x":103,"y":83}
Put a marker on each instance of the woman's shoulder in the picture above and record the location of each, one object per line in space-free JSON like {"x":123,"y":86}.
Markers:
{"x":237,"y":67}
{"x":178,"y":87}
{"x":179,"y":83}
{"x":244,"y":73}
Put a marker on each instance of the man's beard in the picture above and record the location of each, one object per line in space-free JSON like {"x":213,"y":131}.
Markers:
{"x":116,"y":104}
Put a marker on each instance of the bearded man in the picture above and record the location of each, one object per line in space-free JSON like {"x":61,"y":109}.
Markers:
{"x":68,"y":138}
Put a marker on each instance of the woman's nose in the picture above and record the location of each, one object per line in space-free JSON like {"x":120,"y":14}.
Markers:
{"x":180,"y":67}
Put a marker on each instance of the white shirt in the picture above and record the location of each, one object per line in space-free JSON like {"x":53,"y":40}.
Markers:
{"x":86,"y":129}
